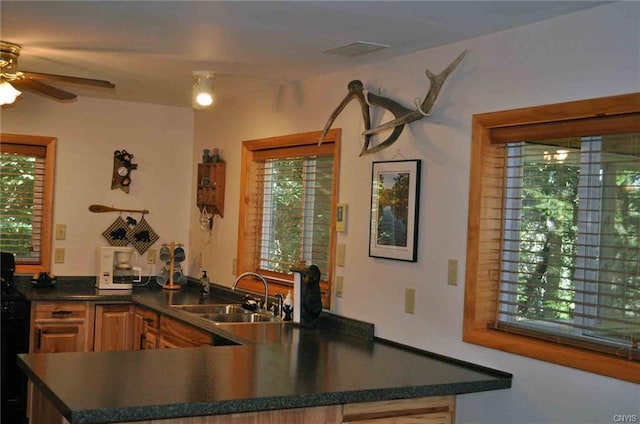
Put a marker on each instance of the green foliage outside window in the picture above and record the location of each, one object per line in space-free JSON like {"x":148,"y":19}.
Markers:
{"x":17,"y":181}
{"x":297,"y":213}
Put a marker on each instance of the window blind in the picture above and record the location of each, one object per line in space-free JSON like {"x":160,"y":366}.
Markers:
{"x":570,"y":252}
{"x":22,"y":172}
{"x":290,"y":212}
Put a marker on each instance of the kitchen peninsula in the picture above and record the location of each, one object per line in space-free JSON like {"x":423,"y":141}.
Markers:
{"x":277,"y":372}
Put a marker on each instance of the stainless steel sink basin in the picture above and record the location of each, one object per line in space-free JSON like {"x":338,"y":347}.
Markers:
{"x":241,"y":317}
{"x":228,"y":313}
{"x":213,"y":309}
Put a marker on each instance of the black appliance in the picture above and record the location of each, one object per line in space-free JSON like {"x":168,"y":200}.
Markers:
{"x":15,"y":340}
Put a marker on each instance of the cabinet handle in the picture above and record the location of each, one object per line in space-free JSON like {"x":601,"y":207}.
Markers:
{"x":142,"y":337}
{"x":61,"y":313}
{"x":39,"y":338}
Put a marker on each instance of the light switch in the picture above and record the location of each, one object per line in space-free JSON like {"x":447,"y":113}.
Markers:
{"x":340,"y":254}
{"x":151,"y":256}
{"x":61,"y":231}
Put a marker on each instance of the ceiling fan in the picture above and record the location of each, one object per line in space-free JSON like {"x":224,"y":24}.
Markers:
{"x":10,"y":78}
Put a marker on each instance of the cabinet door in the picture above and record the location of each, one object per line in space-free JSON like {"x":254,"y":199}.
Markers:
{"x":113,"y":328}
{"x":137,"y":339}
{"x":150,"y":338}
{"x":53,"y":338}
{"x":145,"y":329}
{"x":60,"y":327}
{"x":176,"y":334}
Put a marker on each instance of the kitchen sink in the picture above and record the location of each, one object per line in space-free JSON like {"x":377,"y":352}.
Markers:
{"x":241,"y":318}
{"x":228,"y":313}
{"x":213,"y":309}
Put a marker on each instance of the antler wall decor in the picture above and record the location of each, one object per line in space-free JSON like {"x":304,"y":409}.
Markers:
{"x":402,"y":114}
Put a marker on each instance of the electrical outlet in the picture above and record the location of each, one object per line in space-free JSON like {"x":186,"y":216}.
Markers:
{"x":151,"y":256}
{"x":58,"y":256}
{"x":452,"y":272}
{"x":341,"y":254}
{"x":410,"y":300}
{"x":234,"y":266}
{"x":339,"y":285}
{"x":61,"y":231}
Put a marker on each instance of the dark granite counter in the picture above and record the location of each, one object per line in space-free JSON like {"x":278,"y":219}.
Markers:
{"x":279,"y":366}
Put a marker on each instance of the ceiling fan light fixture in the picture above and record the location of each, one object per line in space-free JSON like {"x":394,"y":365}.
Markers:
{"x":203,"y":94}
{"x":8,"y":94}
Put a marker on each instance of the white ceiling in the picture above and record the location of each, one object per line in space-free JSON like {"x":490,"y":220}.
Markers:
{"x":149,"y":49}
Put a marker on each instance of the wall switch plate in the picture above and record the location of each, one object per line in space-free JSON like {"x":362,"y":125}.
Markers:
{"x":339,"y":285}
{"x":340,"y":254}
{"x":58,"y":256}
{"x":151,"y":256}
{"x":410,"y":300}
{"x":452,"y":272}
{"x":61,"y":231}
{"x":341,"y":217}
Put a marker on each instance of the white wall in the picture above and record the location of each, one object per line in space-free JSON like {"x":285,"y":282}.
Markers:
{"x":88,"y":132}
{"x":585,"y":55}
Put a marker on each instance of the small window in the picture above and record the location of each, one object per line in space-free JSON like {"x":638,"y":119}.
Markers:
{"x":289,"y":187}
{"x":554,"y":226}
{"x":26,"y":199}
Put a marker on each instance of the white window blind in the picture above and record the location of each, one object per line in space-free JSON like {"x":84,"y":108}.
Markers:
{"x":290,"y":212}
{"x":570,"y":262}
{"x":22,"y":172}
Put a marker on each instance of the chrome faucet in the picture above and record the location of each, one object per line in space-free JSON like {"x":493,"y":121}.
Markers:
{"x":260,"y":277}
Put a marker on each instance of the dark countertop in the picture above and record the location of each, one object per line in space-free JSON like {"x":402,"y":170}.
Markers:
{"x":281,"y":366}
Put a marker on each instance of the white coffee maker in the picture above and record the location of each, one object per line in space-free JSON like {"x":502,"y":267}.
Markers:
{"x":115,"y":270}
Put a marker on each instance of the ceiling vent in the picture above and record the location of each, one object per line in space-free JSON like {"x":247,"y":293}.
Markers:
{"x":357,"y":48}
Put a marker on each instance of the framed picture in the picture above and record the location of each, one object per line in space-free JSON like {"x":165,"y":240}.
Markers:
{"x":395,"y":191}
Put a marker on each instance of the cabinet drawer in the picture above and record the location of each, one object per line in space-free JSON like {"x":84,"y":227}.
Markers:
{"x":432,"y":410}
{"x":60,"y":310}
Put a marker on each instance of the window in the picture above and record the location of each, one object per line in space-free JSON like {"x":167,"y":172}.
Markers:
{"x":553,"y":253}
{"x":289,"y":186}
{"x":26,"y":200}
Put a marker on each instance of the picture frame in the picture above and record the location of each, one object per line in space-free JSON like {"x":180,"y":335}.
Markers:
{"x":395,"y":199}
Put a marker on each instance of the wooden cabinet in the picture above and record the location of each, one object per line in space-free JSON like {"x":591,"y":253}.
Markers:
{"x":61,"y":327}
{"x":176,"y":334}
{"x":145,"y":328}
{"x":426,"y":410}
{"x":210,"y":187}
{"x":113,"y":327}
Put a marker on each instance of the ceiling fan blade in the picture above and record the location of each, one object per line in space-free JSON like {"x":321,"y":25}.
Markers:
{"x":68,"y":79}
{"x":43,"y":88}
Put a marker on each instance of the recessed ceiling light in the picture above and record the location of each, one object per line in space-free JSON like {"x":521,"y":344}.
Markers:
{"x":357,"y":48}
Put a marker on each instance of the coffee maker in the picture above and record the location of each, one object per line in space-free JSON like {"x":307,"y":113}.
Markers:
{"x":115,"y":270}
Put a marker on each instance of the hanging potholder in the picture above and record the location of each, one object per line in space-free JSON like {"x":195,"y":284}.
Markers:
{"x":142,"y":236}
{"x":117,"y":233}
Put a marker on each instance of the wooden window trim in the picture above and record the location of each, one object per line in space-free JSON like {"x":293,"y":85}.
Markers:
{"x":49,"y":180}
{"x":482,"y":277}
{"x":273,"y":148}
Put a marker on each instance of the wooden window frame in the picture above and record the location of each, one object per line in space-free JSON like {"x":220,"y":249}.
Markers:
{"x":484,"y":244}
{"x":257,"y":149}
{"x":47,"y":213}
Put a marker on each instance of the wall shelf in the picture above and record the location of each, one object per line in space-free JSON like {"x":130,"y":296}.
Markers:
{"x":210,"y":187}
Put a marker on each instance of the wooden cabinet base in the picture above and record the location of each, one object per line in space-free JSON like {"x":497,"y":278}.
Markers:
{"x":429,"y":410}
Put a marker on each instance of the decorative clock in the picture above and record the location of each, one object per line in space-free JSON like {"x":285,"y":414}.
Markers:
{"x":122,"y":168}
